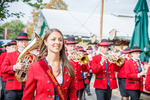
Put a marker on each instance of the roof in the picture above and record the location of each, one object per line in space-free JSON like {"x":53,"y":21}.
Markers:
{"x":86,"y":24}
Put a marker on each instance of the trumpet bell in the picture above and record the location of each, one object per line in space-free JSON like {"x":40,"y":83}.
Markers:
{"x":84,"y":60}
{"x":119,"y":61}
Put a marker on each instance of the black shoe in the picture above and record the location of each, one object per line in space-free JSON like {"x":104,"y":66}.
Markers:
{"x":89,"y":94}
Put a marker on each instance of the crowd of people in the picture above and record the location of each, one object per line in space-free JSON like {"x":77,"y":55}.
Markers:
{"x":63,"y":71}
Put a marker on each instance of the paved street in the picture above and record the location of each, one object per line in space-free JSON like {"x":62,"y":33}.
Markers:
{"x":115,"y":94}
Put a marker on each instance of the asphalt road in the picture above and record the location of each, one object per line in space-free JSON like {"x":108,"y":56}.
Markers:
{"x":115,"y":94}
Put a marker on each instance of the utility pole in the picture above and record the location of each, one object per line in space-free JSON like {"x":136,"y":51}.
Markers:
{"x":101,"y":20}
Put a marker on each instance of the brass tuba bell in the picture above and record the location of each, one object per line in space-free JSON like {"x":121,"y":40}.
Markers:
{"x":27,"y":58}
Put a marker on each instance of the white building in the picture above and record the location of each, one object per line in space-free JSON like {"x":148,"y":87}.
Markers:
{"x":84,"y":24}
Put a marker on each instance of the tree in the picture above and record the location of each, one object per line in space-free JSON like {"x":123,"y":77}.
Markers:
{"x":4,"y":5}
{"x":53,"y":4}
{"x":13,"y":28}
{"x":1,"y":32}
{"x":56,"y":4}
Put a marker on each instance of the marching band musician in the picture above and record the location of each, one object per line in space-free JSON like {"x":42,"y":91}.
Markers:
{"x":2,"y":56}
{"x":85,"y":72}
{"x":72,"y":53}
{"x":103,"y":69}
{"x":14,"y":89}
{"x":147,"y":82}
{"x":52,"y":76}
{"x":90,"y":55}
{"x":134,"y":74}
{"x":121,"y":75}
{"x":12,"y":47}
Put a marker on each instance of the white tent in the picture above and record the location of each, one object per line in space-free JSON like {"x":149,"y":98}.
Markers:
{"x":85,"y":24}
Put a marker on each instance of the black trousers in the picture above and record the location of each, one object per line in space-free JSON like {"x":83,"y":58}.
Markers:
{"x":3,"y":89}
{"x":89,"y":77}
{"x":103,"y":94}
{"x":135,"y":94}
{"x":13,"y":94}
{"x":122,"y":88}
{"x":87,"y":86}
{"x":79,"y":93}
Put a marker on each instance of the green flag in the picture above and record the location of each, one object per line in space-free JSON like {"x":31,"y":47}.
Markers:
{"x":140,"y":36}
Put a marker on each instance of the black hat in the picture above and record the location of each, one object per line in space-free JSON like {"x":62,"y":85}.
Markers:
{"x":13,"y":42}
{"x":127,"y":50}
{"x":80,"y":48}
{"x":89,"y":48}
{"x":8,"y":44}
{"x":71,"y":40}
{"x":85,"y":53}
{"x":104,"y":42}
{"x":135,"y":49}
{"x":22,"y":36}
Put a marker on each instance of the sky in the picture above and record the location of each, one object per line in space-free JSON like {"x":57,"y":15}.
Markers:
{"x":123,"y":7}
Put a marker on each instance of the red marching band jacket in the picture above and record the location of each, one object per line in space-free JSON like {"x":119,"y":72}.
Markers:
{"x":147,"y":82}
{"x":132,"y":80}
{"x":38,"y":80}
{"x":121,"y":73}
{"x":2,"y":57}
{"x":100,"y":73}
{"x":7,"y":68}
{"x":78,"y":74}
{"x":78,"y":68}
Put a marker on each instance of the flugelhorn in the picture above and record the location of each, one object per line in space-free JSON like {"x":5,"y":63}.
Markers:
{"x":27,"y":58}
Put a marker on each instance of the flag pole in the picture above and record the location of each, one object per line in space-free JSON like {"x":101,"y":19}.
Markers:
{"x":101,"y":20}
{"x":5,"y":33}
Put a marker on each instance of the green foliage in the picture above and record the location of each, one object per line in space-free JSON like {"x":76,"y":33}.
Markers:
{"x":2,"y":32}
{"x":13,"y":28}
{"x":4,"y":12}
{"x":4,"y":5}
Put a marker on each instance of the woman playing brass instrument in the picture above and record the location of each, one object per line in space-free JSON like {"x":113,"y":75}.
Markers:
{"x":52,"y":76}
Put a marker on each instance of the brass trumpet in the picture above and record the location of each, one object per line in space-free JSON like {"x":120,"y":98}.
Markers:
{"x":115,"y":59}
{"x":119,"y":61}
{"x":84,"y":60}
{"x":77,"y":57}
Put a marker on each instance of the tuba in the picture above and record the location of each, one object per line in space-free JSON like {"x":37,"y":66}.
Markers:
{"x":27,"y":58}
